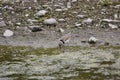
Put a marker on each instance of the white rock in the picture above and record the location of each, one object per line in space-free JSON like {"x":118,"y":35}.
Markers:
{"x":58,"y":10}
{"x":35,"y":1}
{"x":92,"y":39}
{"x":115,"y":16}
{"x":41,"y":13}
{"x":77,"y":24}
{"x":30,"y":8}
{"x":74,"y":1}
{"x":74,"y":12}
{"x":62,"y":30}
{"x":88,"y":20}
{"x":31,"y":27}
{"x":32,"y":20}
{"x":80,"y":16}
{"x":8,"y":33}
{"x":26,"y":15}
{"x":10,"y":23}
{"x":61,"y":20}
{"x":69,"y":5}
{"x":117,"y":6}
{"x":18,"y":24}
{"x":2,"y":23}
{"x":113,"y":26}
{"x":110,"y":20}
{"x":50,"y":21}
{"x":65,"y":9}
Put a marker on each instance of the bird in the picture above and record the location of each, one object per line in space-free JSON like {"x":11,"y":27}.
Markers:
{"x":64,"y":39}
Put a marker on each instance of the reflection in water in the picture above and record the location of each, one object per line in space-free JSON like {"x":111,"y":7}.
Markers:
{"x":92,"y":64}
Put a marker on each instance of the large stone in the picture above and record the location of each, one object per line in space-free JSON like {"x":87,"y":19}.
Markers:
{"x":8,"y":33}
{"x":2,"y":23}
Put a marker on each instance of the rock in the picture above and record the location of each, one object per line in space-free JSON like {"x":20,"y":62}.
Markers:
{"x":26,"y":15}
{"x":61,"y":20}
{"x":74,"y":1}
{"x":65,"y":9}
{"x":35,"y":28}
{"x":32,"y":21}
{"x":61,"y":30}
{"x":69,"y":5}
{"x":117,"y":6}
{"x":112,"y":26}
{"x":50,"y":21}
{"x":2,"y":23}
{"x":110,"y":20}
{"x":92,"y":40}
{"x":18,"y":24}
{"x":88,"y":20}
{"x":35,"y":1}
{"x":41,"y":13}
{"x":74,"y":12}
{"x":77,"y":24}
{"x":116,"y":16}
{"x":8,"y":33}
{"x":10,"y":23}
{"x":58,"y":10}
{"x":80,"y":16}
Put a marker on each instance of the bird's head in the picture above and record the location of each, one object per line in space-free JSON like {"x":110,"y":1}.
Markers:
{"x":60,"y":44}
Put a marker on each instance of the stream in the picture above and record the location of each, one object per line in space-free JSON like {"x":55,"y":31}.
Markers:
{"x":77,"y":64}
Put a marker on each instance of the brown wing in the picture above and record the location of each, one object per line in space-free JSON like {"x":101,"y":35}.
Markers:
{"x":66,"y":36}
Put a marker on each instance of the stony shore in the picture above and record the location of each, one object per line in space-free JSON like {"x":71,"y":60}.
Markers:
{"x":83,"y":18}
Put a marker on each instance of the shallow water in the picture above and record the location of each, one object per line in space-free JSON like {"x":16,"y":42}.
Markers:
{"x":54,"y":64}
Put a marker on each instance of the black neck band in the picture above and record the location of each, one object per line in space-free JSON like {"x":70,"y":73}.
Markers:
{"x":62,"y":41}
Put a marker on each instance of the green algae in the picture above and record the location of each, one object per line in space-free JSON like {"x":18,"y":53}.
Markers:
{"x":22,"y":49}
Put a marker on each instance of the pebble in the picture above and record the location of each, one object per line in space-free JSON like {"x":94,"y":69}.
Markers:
{"x":69,"y":5}
{"x":115,"y":16}
{"x":26,"y":15}
{"x":88,"y":20}
{"x":77,"y":24}
{"x":92,"y":40}
{"x":80,"y":16}
{"x":61,"y":20}
{"x":117,"y":6}
{"x":50,"y":21}
{"x":74,"y":1}
{"x":58,"y":10}
{"x":61,"y":30}
{"x":41,"y":13}
{"x":8,"y":33}
{"x":18,"y":24}
{"x":2,"y":23}
{"x":112,"y":26}
{"x":110,"y":20}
